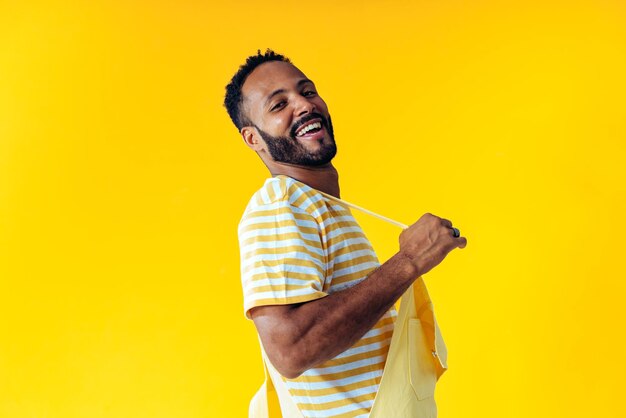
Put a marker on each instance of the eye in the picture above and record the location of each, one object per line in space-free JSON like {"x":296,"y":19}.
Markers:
{"x":309,"y":93}
{"x":277,"y":106}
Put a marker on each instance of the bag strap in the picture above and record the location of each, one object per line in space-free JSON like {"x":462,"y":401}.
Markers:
{"x":366,"y":211}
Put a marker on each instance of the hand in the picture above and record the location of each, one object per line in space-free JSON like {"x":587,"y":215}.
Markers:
{"x":427,"y":242}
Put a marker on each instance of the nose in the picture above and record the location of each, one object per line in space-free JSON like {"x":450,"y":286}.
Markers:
{"x":304,"y":106}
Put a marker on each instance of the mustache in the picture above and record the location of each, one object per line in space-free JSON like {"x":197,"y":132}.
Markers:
{"x":306,"y":119}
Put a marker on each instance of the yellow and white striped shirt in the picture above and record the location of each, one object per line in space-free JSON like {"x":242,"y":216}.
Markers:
{"x":297,"y":247}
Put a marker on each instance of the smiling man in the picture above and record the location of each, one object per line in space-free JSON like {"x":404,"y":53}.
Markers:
{"x":320,"y":300}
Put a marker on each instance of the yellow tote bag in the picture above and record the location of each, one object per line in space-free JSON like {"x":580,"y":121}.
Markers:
{"x":417,"y":358}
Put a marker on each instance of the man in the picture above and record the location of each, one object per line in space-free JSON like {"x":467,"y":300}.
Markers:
{"x":322,"y":304}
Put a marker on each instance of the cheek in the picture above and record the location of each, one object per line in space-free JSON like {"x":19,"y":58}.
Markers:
{"x":322,"y":106}
{"x":280,"y":124}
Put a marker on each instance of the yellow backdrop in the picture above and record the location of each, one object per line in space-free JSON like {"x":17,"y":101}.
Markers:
{"x":122,"y":181}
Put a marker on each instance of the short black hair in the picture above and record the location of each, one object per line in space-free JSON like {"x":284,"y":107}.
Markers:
{"x":233,"y":100}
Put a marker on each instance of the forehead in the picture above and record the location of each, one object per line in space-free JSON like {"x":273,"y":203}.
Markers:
{"x":269,"y":77}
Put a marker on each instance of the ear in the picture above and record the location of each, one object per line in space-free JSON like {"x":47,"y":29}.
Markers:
{"x":251,"y":137}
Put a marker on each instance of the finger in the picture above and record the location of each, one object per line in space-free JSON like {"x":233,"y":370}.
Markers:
{"x":446,"y":223}
{"x":450,"y":246}
{"x":461,"y":242}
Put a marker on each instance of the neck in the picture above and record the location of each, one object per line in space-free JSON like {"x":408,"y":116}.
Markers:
{"x":324,"y":178}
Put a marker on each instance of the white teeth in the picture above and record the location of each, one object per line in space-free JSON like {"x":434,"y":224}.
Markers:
{"x":307,"y":128}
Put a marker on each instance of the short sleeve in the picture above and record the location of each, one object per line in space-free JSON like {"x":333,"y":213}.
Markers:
{"x":282,"y":258}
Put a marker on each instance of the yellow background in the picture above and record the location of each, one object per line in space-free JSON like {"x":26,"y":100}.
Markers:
{"x":122,"y":181}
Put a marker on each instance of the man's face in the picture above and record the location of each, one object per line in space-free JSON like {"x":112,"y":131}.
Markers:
{"x":289,"y":115}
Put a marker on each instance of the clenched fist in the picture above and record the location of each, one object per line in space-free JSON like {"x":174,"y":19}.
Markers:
{"x":427,"y":242}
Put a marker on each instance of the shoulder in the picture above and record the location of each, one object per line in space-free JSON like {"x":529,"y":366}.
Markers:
{"x":280,"y":211}
{"x":284,"y":192}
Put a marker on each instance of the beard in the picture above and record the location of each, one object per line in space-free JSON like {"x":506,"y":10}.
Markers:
{"x":287,"y":149}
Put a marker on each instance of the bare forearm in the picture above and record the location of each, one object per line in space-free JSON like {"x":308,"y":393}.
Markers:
{"x":298,"y":337}
{"x":318,"y":331}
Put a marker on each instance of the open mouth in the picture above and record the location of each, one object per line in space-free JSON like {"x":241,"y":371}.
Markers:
{"x":309,"y":128}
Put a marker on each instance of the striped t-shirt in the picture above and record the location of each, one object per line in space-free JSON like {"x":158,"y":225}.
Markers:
{"x":297,"y":246}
